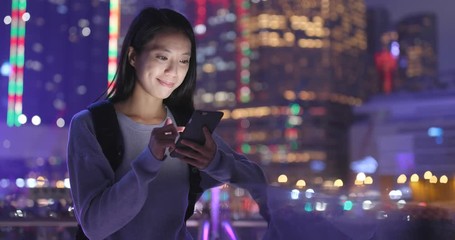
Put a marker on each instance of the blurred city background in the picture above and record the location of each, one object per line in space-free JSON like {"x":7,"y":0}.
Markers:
{"x":348,"y":105}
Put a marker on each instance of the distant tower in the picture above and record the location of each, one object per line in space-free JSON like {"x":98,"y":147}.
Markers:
{"x":386,"y":65}
{"x":383,"y":50}
{"x":418,"y":65}
{"x":307,"y":64}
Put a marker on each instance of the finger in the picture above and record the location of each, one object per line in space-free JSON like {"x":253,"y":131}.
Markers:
{"x":206,"y":131}
{"x":171,"y":148}
{"x":195,"y":146}
{"x":161,"y":135}
{"x":192,"y":162}
{"x":209,"y":142}
{"x":207,"y":134}
{"x":197,"y":159}
{"x":171,"y":133}
{"x":188,"y":153}
{"x":168,"y":121}
{"x":167,"y":130}
{"x":168,"y":142}
{"x":162,"y":141}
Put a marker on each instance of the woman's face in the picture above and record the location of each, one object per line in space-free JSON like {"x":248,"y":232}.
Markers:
{"x":162,"y":65}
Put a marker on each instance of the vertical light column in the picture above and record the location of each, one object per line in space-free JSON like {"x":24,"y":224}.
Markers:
{"x":243,"y":52}
{"x":201,"y":13}
{"x":16,"y":59}
{"x":215,"y":212}
{"x":114,"y":25}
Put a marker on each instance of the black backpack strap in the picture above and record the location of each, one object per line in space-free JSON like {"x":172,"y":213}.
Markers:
{"x":107,"y":131}
{"x":195,"y":190}
{"x":80,"y":234}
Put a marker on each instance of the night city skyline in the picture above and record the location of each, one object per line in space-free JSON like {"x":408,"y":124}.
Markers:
{"x":396,"y":10}
{"x":345,"y":104}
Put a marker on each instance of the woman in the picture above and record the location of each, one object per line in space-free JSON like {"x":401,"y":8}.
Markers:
{"x":146,"y":197}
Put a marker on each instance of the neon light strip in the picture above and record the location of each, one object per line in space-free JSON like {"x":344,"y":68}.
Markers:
{"x":215,"y":211}
{"x":16,"y":59}
{"x":201,"y":12}
{"x":229,"y":230}
{"x":205,"y":230}
{"x":243,"y":52}
{"x":114,"y":25}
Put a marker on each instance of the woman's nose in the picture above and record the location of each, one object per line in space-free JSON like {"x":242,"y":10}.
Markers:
{"x":171,"y":69}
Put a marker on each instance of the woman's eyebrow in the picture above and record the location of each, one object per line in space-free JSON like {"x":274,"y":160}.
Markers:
{"x":161,"y":48}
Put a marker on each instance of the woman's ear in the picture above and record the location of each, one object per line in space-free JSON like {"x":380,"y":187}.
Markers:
{"x":132,"y":56}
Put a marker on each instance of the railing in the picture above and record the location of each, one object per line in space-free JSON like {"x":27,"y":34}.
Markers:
{"x":65,"y":229}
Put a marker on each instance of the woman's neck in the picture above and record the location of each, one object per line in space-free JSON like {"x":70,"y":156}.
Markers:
{"x":143,"y":110}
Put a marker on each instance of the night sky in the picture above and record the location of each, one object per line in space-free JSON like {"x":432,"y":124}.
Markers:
{"x":445,"y":11}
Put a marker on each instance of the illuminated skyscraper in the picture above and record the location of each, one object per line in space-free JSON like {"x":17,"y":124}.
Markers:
{"x":316,"y":45}
{"x":306,"y":60}
{"x":222,"y":65}
{"x":215,"y":28}
{"x":418,"y":65}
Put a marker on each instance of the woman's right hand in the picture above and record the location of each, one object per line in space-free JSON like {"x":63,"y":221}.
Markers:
{"x":162,"y":138}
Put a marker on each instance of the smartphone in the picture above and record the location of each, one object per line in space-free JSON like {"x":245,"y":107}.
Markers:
{"x":193,"y":129}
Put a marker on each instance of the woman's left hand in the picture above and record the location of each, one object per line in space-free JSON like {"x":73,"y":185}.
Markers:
{"x":199,"y":156}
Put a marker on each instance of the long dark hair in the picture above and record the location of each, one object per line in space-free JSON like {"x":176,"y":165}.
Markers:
{"x":149,"y":22}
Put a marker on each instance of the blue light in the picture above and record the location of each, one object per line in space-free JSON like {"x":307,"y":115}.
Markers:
{"x":295,"y":194}
{"x":435,"y":132}
{"x":395,"y":49}
{"x":5,"y":69}
{"x":308,"y":207}
{"x":347,"y":206}
{"x":224,"y":196}
{"x":367,"y":165}
{"x":206,"y":196}
{"x":317,"y":165}
{"x":62,"y":9}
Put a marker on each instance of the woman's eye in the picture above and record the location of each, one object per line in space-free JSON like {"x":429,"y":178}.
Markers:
{"x":161,"y":58}
{"x":186,"y":61}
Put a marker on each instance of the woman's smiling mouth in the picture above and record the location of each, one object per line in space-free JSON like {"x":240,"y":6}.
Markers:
{"x":166,"y":84}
